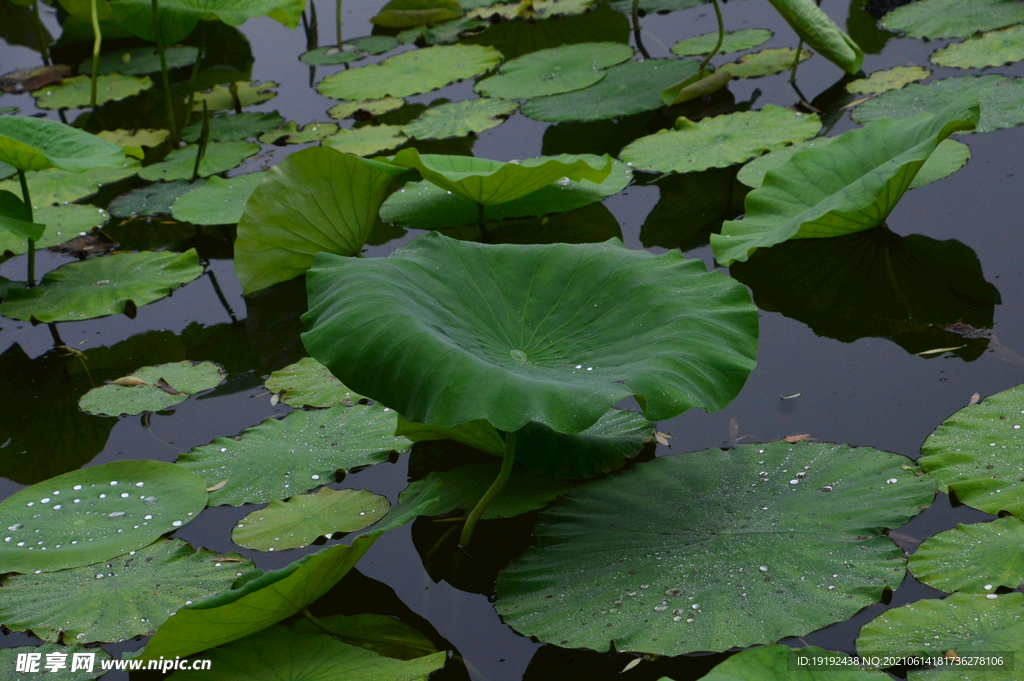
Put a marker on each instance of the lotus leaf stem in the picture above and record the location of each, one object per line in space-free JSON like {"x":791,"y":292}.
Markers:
{"x":337,"y":21}
{"x":796,"y":61}
{"x":721,"y":37}
{"x":636,"y":30}
{"x":492,"y":491}
{"x":31,"y":242}
{"x":44,"y":49}
{"x":97,"y":43}
{"x":158,"y":29}
{"x":195,"y":73}
{"x":204,"y":137}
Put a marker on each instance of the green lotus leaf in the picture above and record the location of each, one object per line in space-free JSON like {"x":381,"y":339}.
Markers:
{"x":150,"y":200}
{"x":39,"y":143}
{"x":280,"y":458}
{"x":734,"y":41}
{"x":847,"y":186}
{"x":292,"y":133}
{"x":716,"y":549}
{"x":134,"y":18}
{"x":764,"y":63}
{"x":57,"y":187}
{"x":958,"y":455}
{"x":93,"y":514}
{"x":993,"y":48}
{"x":507,"y":338}
{"x":103,"y":286}
{"x":458,"y":119}
{"x":130,"y":595}
{"x":235,"y":127}
{"x":478,"y":434}
{"x":351,"y":50}
{"x":315,"y":200}
{"x":220,"y":98}
{"x":934,"y":19}
{"x":409,"y":13}
{"x":141,"y":60}
{"x":16,"y":218}
{"x":411,"y":72}
{"x":9,"y":656}
{"x":719,"y":141}
{"x":1000,"y":100}
{"x":817,"y":30}
{"x":629,"y":88}
{"x":381,"y":634}
{"x":884,"y":81}
{"x":218,"y":201}
{"x":973,"y":558}
{"x":554,"y":70}
{"x":308,"y":383}
{"x":965,"y":623}
{"x":370,"y":107}
{"x":219,"y":157}
{"x":648,"y":6}
{"x":699,"y":85}
{"x":63,"y":223}
{"x":138,"y":13}
{"x":773,"y":663}
{"x":300,"y":520}
{"x":371,"y":139}
{"x":162,"y":386}
{"x":75,"y":93}
{"x":256,"y":604}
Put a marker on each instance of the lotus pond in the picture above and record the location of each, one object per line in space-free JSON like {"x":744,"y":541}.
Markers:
{"x":552,"y":339}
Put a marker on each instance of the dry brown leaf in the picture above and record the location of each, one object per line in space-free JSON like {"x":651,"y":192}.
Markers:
{"x":27,"y":80}
{"x":128,"y":381}
{"x":217,"y":486}
{"x":166,"y":387}
{"x":798,"y":438}
{"x":631,"y":664}
{"x":662,"y":438}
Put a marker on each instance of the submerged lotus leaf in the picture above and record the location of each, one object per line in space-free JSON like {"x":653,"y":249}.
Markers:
{"x":554,"y":70}
{"x":150,"y":200}
{"x":764,"y":63}
{"x":57,"y":187}
{"x":720,"y":141}
{"x":218,"y":201}
{"x":351,"y":50}
{"x":411,"y":72}
{"x":255,"y":605}
{"x":734,"y":41}
{"x":220,"y":97}
{"x":370,"y":107}
{"x":39,"y":143}
{"x":218,"y":158}
{"x":978,"y":453}
{"x":716,"y":549}
{"x":63,"y":223}
{"x":308,"y":383}
{"x":161,"y":386}
{"x":315,"y":200}
{"x":302,"y":519}
{"x":629,"y":88}
{"x":994,"y":48}
{"x":820,"y":33}
{"x":772,"y":663}
{"x":283,"y":457}
{"x":849,"y":185}
{"x":884,"y":81}
{"x":458,"y":119}
{"x":371,"y":139}
{"x":141,"y":60}
{"x":1000,"y":99}
{"x":380,"y":633}
{"x":968,"y":624}
{"x":98,"y":287}
{"x":96,"y":513}
{"x":292,"y":133}
{"x":9,"y":656}
{"x":934,"y":19}
{"x":76,"y":92}
{"x":235,"y":127}
{"x":115,"y":600}
{"x":507,"y":336}
{"x":976,"y":558}
{"x":409,"y":13}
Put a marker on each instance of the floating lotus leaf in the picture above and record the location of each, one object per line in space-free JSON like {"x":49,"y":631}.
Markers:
{"x":283,"y":457}
{"x":965,"y":623}
{"x":219,"y":157}
{"x":716,"y":549}
{"x":141,"y":60}
{"x":103,"y":286}
{"x":527,"y":342}
{"x":554,"y":70}
{"x":1000,"y":100}
{"x":292,"y":133}
{"x":458,"y":119}
{"x":975,"y":558}
{"x":883,"y":81}
{"x":63,"y":223}
{"x":629,"y":88}
{"x":847,"y":186}
{"x":300,"y":520}
{"x":735,"y":41}
{"x":381,"y":634}
{"x":371,"y":139}
{"x":308,"y":383}
{"x":76,"y":92}
{"x":934,"y":19}
{"x":57,"y":187}
{"x":820,"y":33}
{"x":958,"y":454}
{"x":9,"y":656}
{"x":218,"y":201}
{"x":773,"y":663}
{"x":220,"y":98}
{"x":370,"y":107}
{"x":256,"y":604}
{"x":765,"y":63}
{"x":39,"y":143}
{"x":142,"y":137}
{"x":315,"y":200}
{"x":235,"y":127}
{"x":130,"y":595}
{"x":162,"y":386}
{"x":720,"y":141}
{"x":409,"y":13}
{"x":351,"y":50}
{"x":150,"y":200}
{"x":96,"y":513}
{"x":411,"y":72}
{"x":994,"y":48}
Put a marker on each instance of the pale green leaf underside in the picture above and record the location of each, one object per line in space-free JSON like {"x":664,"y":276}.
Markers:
{"x":184,"y":378}
{"x":975,"y":558}
{"x":458,"y":119}
{"x":308,"y":383}
{"x":554,"y":70}
{"x":219,"y":157}
{"x":884,"y":81}
{"x":994,"y":48}
{"x":820,"y":33}
{"x":218,"y":202}
{"x":934,"y":19}
{"x":734,"y":41}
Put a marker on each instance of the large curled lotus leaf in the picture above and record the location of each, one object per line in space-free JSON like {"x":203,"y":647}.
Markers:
{"x":141,"y":60}
{"x":628,"y":88}
{"x":138,"y":13}
{"x":301,"y":651}
{"x":846,"y":186}
{"x":152,"y":388}
{"x":235,"y":127}
{"x":218,"y":202}
{"x":409,"y":13}
{"x":764,"y":63}
{"x":715,"y":549}
{"x":1000,"y":99}
{"x":734,"y":41}
{"x":993,"y":48}
{"x":218,"y":158}
{"x":93,"y":514}
{"x":256,"y":604}
{"x":969,"y":624}
{"x":458,"y":119}
{"x":220,"y":97}
{"x":366,"y":140}
{"x":773,"y":663}
{"x":318,"y":199}
{"x":934,"y":19}
{"x":514,"y":334}
{"x":411,"y":73}
{"x":720,"y":141}
{"x":425,"y":205}
{"x":76,"y":92}
{"x":554,"y":70}
{"x":280,"y":458}
{"x":114,"y":600}
{"x":54,"y":186}
{"x":9,"y":656}
{"x":891,"y":79}
{"x":380,"y":633}
{"x":63,"y":223}
{"x":38,"y":143}
{"x":820,"y":33}
{"x":302,"y":519}
{"x":98,"y":287}
{"x":490,"y":183}
{"x":151,"y":200}
{"x":978,"y":453}
{"x":135,"y":18}
{"x":976,"y":558}
{"x":477,"y":434}
{"x":308,"y":383}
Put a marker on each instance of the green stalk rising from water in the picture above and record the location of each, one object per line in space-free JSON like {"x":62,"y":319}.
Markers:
{"x":172,"y":126}
{"x":492,"y":491}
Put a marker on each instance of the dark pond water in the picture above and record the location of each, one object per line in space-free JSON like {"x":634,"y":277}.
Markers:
{"x":855,"y":374}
